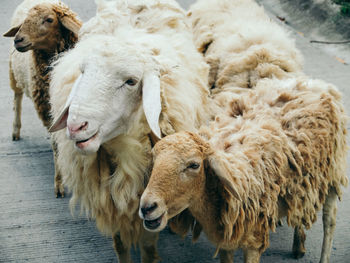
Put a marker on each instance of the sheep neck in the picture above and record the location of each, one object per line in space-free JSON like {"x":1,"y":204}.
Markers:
{"x":40,"y":90}
{"x":206,"y":207}
{"x":41,"y":75}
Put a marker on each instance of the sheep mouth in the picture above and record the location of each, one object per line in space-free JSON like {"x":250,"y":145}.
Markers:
{"x":83,"y":143}
{"x":153,"y":224}
{"x":23,"y":48}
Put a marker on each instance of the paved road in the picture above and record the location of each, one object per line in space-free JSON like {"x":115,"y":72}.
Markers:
{"x":37,"y":227}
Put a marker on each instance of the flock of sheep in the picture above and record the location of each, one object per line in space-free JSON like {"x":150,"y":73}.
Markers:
{"x":203,"y":119}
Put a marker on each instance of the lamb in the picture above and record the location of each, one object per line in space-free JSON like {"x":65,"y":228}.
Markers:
{"x":42,"y":29}
{"x":131,"y":85}
{"x":280,"y":150}
{"x":241,"y":44}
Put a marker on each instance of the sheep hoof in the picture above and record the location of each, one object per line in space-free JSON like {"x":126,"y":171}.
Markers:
{"x":15,"y":137}
{"x":298,"y":254}
{"x":59,"y":191}
{"x":279,"y":223}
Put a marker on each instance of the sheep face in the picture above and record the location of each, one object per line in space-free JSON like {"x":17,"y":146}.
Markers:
{"x":183,"y":162}
{"x":42,"y":29}
{"x":177,"y":177}
{"x":109,"y":95}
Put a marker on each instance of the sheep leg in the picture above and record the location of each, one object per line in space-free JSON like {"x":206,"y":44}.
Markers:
{"x":123,"y":252}
{"x":148,"y":247}
{"x":59,"y":189}
{"x":251,"y":255}
{"x":299,"y":242}
{"x":226,"y":256}
{"x":329,"y":222}
{"x":17,"y":107}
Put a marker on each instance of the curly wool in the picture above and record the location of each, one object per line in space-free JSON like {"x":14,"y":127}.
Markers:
{"x":241,"y":43}
{"x":163,"y":16}
{"x":108,"y":184}
{"x":284,"y":142}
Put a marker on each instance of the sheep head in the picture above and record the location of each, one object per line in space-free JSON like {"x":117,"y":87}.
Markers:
{"x":181,"y":163}
{"x":44,"y":27}
{"x":115,"y":84}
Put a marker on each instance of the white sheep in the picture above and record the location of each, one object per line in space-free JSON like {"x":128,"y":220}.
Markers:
{"x":42,"y":29}
{"x":241,"y":43}
{"x":280,"y":150}
{"x":130,"y":86}
{"x":153,"y":15}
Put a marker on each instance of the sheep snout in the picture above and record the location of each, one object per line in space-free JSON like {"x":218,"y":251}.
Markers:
{"x":154,"y":225}
{"x":85,"y":135}
{"x":151,"y":207}
{"x":147,"y":209}
{"x":18,"y":39}
{"x":75,"y":128}
{"x":84,"y":144}
{"x":20,"y":44}
{"x":80,"y":131}
{"x":153,"y":212}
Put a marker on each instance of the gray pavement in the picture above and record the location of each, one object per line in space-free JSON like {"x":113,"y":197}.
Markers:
{"x":37,"y":227}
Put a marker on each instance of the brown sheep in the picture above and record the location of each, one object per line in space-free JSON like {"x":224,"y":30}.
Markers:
{"x":242,"y":45}
{"x":42,"y":29}
{"x":279,"y":151}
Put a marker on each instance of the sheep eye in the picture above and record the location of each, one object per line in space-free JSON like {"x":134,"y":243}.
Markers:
{"x":193,"y":166}
{"x":131,"y":82}
{"x":49,"y":20}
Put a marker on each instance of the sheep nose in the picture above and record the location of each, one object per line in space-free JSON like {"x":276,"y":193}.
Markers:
{"x":147,"y":209}
{"x":75,"y":128}
{"x":18,"y":39}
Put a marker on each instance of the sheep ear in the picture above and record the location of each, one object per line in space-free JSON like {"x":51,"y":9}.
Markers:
{"x":12,"y":32}
{"x":61,"y":122}
{"x":217,"y":165}
{"x":70,"y":24}
{"x":151,"y":101}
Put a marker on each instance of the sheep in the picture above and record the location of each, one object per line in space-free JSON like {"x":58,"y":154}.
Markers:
{"x":115,"y":94}
{"x":241,"y":44}
{"x":279,"y":150}
{"x":150,"y":15}
{"x":42,"y":29}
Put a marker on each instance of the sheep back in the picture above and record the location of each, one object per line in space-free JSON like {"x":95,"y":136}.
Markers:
{"x":284,"y":143}
{"x":241,"y":43}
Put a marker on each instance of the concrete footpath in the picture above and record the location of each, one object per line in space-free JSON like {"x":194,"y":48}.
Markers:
{"x":37,"y":227}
